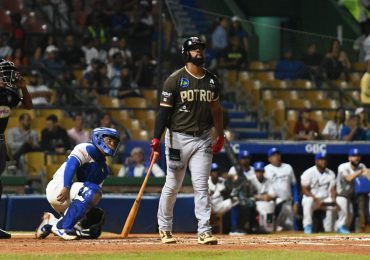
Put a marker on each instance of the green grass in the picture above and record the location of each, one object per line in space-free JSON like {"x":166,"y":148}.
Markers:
{"x":242,"y":255}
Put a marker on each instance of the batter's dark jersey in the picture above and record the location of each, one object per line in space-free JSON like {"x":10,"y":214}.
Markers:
{"x":190,"y":98}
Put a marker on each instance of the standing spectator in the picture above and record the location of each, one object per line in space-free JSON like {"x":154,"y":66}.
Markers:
{"x":72,"y":55}
{"x":54,"y":138}
{"x":359,"y":44}
{"x":333,"y":128}
{"x":285,"y":186}
{"x":365,"y":86}
{"x":219,"y":194}
{"x":106,"y":121}
{"x":22,"y":139}
{"x":305,"y":128}
{"x":234,"y":57}
{"x":40,"y":93}
{"x":219,"y":35}
{"x":353,"y":130}
{"x":137,"y":166}
{"x":347,"y":173}
{"x":238,"y":31}
{"x":78,"y":134}
{"x":5,"y":50}
{"x":319,"y":192}
{"x":288,"y":67}
{"x":312,"y":58}
{"x":90,"y":49}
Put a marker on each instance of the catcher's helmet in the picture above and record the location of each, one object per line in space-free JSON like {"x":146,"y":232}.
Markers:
{"x":191,"y":44}
{"x":98,"y":135}
{"x":8,"y":73}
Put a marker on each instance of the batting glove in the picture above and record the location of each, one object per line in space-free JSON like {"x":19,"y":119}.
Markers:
{"x":155,"y":144}
{"x":217,"y":146}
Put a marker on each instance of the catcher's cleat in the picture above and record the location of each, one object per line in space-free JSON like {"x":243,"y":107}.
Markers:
{"x":207,"y":238}
{"x":4,"y":234}
{"x":63,"y":233}
{"x":166,"y":237}
{"x":44,"y":229}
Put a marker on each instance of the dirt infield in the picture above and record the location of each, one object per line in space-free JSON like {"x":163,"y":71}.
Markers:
{"x":110,"y":243}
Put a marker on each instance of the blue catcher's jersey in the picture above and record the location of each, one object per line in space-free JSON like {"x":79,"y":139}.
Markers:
{"x":93,"y":167}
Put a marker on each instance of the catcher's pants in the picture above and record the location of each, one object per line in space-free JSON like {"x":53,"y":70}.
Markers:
{"x":54,"y":188}
{"x":195,"y":152}
{"x":345,"y":212}
{"x":266,"y":215}
{"x":309,"y":206}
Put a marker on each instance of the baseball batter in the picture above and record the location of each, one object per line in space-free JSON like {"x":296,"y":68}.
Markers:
{"x":189,"y":108}
{"x":318,"y":187}
{"x":9,"y":98}
{"x":347,"y":173}
{"x":285,"y":186}
{"x":75,"y":200}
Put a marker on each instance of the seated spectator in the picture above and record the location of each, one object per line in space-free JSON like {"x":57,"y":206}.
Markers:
{"x":361,"y":113}
{"x":305,"y":128}
{"x":40,"y":93}
{"x":5,"y":50}
{"x":312,"y":58}
{"x":22,"y":139}
{"x":54,"y":138}
{"x":106,"y":121}
{"x":265,"y":198}
{"x":136,"y":166}
{"x":336,"y":63}
{"x":365,"y":86}
{"x":288,"y":67}
{"x":353,"y":130}
{"x":72,"y":55}
{"x":78,"y":134}
{"x":319,"y":192}
{"x":115,"y":67}
{"x":51,"y":61}
{"x":234,"y":56}
{"x":220,"y":196}
{"x":333,"y":128}
{"x":125,"y":85}
{"x":121,"y":48}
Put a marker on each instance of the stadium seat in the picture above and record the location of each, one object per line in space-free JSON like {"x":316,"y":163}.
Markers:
{"x":114,"y":168}
{"x":134,"y":102}
{"x":35,"y":162}
{"x":67,"y":123}
{"x":47,"y":112}
{"x":249,"y":85}
{"x":342,"y":84}
{"x":264,"y":76}
{"x":277,"y":83}
{"x":13,"y":122}
{"x":107,"y":101}
{"x":270,"y":105}
{"x":299,"y":103}
{"x":231,"y":78}
{"x":151,"y":96}
{"x":142,"y":135}
{"x":244,"y":75}
{"x":313,"y":94}
{"x":38,"y":123}
{"x":257,"y":65}
{"x":50,"y":170}
{"x":286,"y":95}
{"x":302,"y":83}
{"x":326,"y":103}
{"x":359,"y":66}
{"x":19,"y":111}
{"x":55,"y":159}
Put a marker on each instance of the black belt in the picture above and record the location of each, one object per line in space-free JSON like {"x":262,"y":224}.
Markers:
{"x":196,"y":133}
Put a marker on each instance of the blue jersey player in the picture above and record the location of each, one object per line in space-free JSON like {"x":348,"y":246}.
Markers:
{"x":75,"y":201}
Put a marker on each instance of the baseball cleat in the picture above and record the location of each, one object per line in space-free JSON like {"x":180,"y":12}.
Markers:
{"x":65,"y":234}
{"x":166,"y":237}
{"x":308,"y":229}
{"x":207,"y":238}
{"x":343,"y":230}
{"x":44,"y":229}
{"x":4,"y":234}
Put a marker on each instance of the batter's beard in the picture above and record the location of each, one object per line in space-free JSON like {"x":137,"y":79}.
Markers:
{"x":197,"y":60}
{"x":355,"y":164}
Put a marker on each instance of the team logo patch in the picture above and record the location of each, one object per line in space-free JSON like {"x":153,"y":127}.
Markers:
{"x":184,"y":82}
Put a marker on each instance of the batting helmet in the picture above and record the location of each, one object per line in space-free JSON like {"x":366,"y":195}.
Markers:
{"x":8,"y":73}
{"x":98,"y":135}
{"x":191,"y":44}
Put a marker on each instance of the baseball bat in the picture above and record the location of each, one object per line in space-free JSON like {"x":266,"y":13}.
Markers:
{"x":135,"y":207}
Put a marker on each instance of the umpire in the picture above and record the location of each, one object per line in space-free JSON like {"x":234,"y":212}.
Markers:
{"x":9,"y":98}
{"x":189,"y":108}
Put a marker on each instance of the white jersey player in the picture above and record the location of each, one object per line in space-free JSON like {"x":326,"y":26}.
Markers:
{"x":244,"y":160}
{"x":265,"y":198}
{"x":216,"y":185}
{"x":318,"y":187}
{"x":347,"y":173}
{"x":285,"y":186}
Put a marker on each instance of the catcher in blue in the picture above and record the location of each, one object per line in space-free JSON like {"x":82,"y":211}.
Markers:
{"x":76,"y":201}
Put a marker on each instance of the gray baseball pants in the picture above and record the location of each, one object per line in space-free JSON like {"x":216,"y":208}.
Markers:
{"x":195,"y":152}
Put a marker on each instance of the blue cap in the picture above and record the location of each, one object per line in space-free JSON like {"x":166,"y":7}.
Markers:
{"x":259,"y":166}
{"x":272,"y":151}
{"x":214,"y":167}
{"x":243,"y":154}
{"x":354,"y":152}
{"x":322,"y":155}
